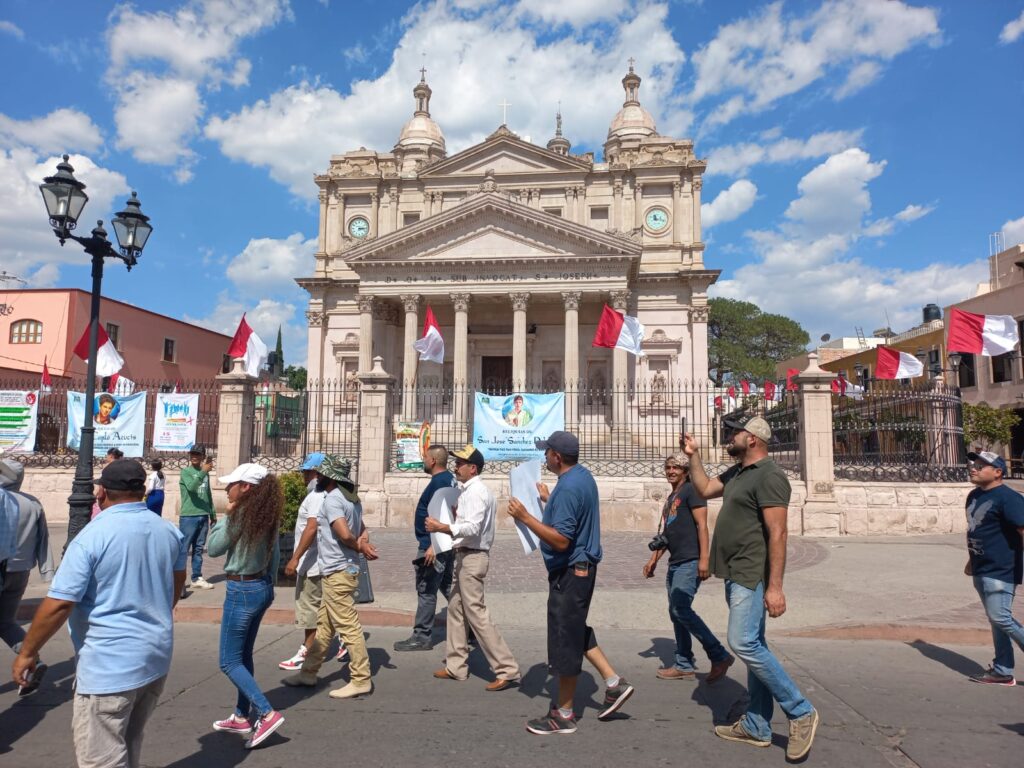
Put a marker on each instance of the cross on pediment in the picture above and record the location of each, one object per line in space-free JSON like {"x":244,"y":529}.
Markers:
{"x":504,"y":111}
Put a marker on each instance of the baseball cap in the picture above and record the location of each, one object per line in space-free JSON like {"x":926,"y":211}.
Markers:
{"x":470,"y":454}
{"x":561,"y":442}
{"x":245,"y":473}
{"x":992,"y":459}
{"x":312,"y":461}
{"x":197,"y":450}
{"x":123,"y":475}
{"x":755,"y":425}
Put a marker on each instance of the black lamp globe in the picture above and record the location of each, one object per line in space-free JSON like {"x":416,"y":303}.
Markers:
{"x":64,"y":197}
{"x":132,"y":229}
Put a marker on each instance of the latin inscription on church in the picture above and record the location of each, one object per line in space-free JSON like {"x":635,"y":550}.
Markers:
{"x":490,"y":278}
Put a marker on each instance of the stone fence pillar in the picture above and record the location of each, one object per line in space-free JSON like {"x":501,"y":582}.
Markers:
{"x":235,"y":416}
{"x":820,"y":512}
{"x":375,"y":434}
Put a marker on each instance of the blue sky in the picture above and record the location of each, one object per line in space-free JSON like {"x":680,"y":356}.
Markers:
{"x":860,"y":151}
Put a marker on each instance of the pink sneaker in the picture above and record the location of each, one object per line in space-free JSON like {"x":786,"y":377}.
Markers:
{"x":233,"y":725}
{"x":295,"y":662}
{"x":264,"y":727}
{"x":342,"y":656}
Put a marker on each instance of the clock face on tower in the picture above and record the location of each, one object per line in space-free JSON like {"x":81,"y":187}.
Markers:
{"x":656,"y":219}
{"x":359,"y":227}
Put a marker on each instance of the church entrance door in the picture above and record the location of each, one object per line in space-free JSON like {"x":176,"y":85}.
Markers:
{"x":496,"y":375}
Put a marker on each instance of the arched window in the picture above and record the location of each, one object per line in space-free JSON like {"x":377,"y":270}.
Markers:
{"x":26,"y":332}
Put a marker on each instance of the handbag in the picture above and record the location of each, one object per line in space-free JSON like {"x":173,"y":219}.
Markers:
{"x":364,"y":589}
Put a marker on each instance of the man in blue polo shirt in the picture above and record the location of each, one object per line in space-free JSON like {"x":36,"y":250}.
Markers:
{"x":118,"y":584}
{"x":570,"y":541}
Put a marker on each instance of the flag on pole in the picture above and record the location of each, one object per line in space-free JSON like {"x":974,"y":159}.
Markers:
{"x":616,"y":330}
{"x":987,"y":335}
{"x":108,"y":361}
{"x":250,"y":347}
{"x":431,"y":344}
{"x":731,"y":391}
{"x":790,"y":384}
{"x":893,"y":364}
{"x":177,"y":387}
{"x":770,"y":391}
{"x":45,"y":383}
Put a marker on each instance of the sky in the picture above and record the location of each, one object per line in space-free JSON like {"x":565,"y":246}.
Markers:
{"x":862,"y":154}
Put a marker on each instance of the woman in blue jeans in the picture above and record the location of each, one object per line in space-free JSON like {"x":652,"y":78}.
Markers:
{"x":247,"y":534}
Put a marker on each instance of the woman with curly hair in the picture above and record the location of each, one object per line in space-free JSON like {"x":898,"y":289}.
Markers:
{"x":247,"y":534}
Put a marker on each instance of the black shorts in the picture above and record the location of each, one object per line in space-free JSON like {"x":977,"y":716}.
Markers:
{"x":569,"y":636}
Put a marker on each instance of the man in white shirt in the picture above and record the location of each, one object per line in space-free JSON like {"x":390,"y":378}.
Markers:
{"x":473,"y":534}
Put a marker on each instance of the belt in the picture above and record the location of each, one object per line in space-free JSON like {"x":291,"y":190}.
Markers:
{"x":244,"y":576}
{"x":468,"y":549}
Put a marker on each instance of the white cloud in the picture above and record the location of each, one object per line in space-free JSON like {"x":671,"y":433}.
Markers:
{"x":156,"y":117}
{"x":834,"y":196}
{"x":578,"y":13}
{"x":63,"y":130}
{"x":268,"y":265}
{"x":914,"y":212}
{"x":766,"y":56}
{"x":11,"y":29}
{"x":887,"y":225}
{"x":45,"y":277}
{"x":476,"y":60}
{"x":1013,"y":30}
{"x":737,"y":159}
{"x":1013,"y":232}
{"x":729,"y":204}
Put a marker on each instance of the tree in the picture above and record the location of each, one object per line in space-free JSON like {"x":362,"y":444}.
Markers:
{"x":988,"y":426}
{"x":746,"y":343}
{"x":296,"y":376}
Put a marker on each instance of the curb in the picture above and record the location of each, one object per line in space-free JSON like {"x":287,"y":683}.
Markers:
{"x":905,"y":633}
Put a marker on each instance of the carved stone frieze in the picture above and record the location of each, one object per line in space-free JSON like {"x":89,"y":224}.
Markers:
{"x":699,"y":314}
{"x":411,"y":302}
{"x":316,"y":319}
{"x":620,"y":300}
{"x":365,"y":302}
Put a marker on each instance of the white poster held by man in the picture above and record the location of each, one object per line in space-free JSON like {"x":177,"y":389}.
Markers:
{"x":440,"y":508}
{"x":523,"y":481}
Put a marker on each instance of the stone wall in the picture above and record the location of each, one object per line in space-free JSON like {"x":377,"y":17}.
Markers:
{"x":901,"y":508}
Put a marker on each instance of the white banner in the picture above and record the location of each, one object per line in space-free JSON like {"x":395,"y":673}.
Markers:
{"x":120,"y":422}
{"x":505,"y":427}
{"x":18,"y":412}
{"x":174,"y":422}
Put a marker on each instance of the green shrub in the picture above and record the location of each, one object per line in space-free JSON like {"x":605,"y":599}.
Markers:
{"x":294,"y":492}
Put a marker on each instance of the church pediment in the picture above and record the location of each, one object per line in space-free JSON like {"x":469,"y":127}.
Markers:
{"x":507,"y":155}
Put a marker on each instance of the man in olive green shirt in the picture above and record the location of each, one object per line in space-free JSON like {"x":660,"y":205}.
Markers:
{"x":748,"y":551}
{"x":197,"y":513}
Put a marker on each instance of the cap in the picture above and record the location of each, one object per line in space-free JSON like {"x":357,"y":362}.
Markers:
{"x":470,"y":454}
{"x":197,"y":450}
{"x":755,"y":425}
{"x":992,"y":459}
{"x":246,"y":473}
{"x":677,"y":460}
{"x":123,"y":475}
{"x":336,"y":468}
{"x":10,"y":471}
{"x":312,"y":461}
{"x":561,"y":442}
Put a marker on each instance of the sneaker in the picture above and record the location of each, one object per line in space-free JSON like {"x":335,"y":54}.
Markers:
{"x":412,"y":644}
{"x":552,"y":722}
{"x":351,"y":690}
{"x":342,"y":656}
{"x":295,"y":662}
{"x":991,"y":677}
{"x":264,"y":727}
{"x":718,"y":669}
{"x":801,"y":735}
{"x":300,"y":680}
{"x":736,"y":732}
{"x":233,"y":725}
{"x":672,"y":673}
{"x":614,"y":698}
{"x":201,"y":583}
{"x":35,"y":681}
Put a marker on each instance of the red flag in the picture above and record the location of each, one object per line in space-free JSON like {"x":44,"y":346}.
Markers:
{"x":108,"y":361}
{"x":988,"y":335}
{"x":893,"y":364}
{"x":46,"y":384}
{"x":745,"y":386}
{"x":790,"y":384}
{"x":247,"y":345}
{"x":731,"y":391}
{"x":177,"y":387}
{"x":839,"y":385}
{"x":618,"y":330}
{"x":718,"y":402}
{"x":769,"y":390}
{"x":112,"y":384}
{"x":431,"y":344}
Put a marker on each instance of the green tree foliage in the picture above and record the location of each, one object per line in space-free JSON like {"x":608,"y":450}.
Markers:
{"x":986,"y":426}
{"x":746,"y":343}
{"x":296,"y":376}
{"x":294,"y":492}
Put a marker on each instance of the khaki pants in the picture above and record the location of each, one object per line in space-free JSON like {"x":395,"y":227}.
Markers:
{"x":466,"y":607}
{"x":338,"y":615}
{"x":107,"y":727}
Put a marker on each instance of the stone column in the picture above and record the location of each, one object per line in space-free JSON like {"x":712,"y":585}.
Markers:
{"x":697,"y":184}
{"x":571,"y":363}
{"x":581,"y":204}
{"x":638,"y":212}
{"x":340,"y":197}
{"x":411,"y":304}
{"x":519,"y":302}
{"x":821,"y":514}
{"x":375,"y":436}
{"x":617,"y":205}
{"x":460,"y":367}
{"x":428,"y":198}
{"x":236,"y":412}
{"x":677,"y":209}
{"x":393,"y":204}
{"x":570,"y":209}
{"x":620,"y":375}
{"x":365,"y":332}
{"x":374,"y":215}
{"x":322,"y":233}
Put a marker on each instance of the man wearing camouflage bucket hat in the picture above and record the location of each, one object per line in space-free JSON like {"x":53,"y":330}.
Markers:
{"x":341,"y":538}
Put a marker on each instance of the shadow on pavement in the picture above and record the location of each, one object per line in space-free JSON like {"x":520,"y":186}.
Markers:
{"x":662,"y":648}
{"x":726,"y":699}
{"x":1017,"y":728}
{"x":221,"y":750}
{"x":26,"y":713}
{"x":950,"y":659}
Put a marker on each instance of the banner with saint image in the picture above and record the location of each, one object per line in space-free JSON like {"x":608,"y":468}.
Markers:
{"x":505,"y":427}
{"x":119,"y":421}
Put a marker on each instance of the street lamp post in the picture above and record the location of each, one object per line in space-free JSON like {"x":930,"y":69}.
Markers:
{"x":65,"y":198}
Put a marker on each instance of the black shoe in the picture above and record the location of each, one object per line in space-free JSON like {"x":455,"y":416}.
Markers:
{"x":553,"y":722}
{"x":413,"y":644}
{"x":34,"y":682}
{"x":471,"y":640}
{"x":614,"y":698}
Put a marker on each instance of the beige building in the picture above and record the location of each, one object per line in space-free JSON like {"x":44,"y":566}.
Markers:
{"x":516,"y":248}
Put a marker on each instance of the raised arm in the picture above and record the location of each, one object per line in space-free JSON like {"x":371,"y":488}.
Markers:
{"x":708,"y":488}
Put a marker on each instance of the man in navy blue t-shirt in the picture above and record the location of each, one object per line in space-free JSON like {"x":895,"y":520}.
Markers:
{"x":570,"y":541}
{"x":995,"y":527}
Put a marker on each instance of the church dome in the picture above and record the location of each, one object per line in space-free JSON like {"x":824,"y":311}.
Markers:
{"x":632,"y":121}
{"x":421,"y":132}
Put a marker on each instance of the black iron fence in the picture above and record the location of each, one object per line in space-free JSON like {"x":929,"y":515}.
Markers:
{"x":51,"y":449}
{"x":623,"y":431}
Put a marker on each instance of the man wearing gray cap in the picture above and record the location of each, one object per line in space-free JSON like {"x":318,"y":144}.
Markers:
{"x":748,"y":551}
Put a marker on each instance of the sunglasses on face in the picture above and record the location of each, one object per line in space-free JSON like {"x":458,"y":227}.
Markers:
{"x":978,"y":465}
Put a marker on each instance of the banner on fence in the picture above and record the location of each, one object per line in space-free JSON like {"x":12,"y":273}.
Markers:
{"x":18,"y":411}
{"x":506,"y":427}
{"x":120,"y":422}
{"x":174,"y":422}
{"x":412,"y":439}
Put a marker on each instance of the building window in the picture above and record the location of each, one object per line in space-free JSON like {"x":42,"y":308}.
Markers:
{"x":1002,"y":368}
{"x":26,"y":332}
{"x":225,"y":364}
{"x":409,"y":218}
{"x":169,"y":350}
{"x":553,"y":211}
{"x":967,"y":376}
{"x":599,"y":217}
{"x":114,"y":334}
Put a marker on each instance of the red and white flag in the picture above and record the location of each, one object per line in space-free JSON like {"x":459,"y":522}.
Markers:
{"x":177,"y":387}
{"x":893,"y":364}
{"x":771,"y":392}
{"x":120,"y":385}
{"x":250,"y":347}
{"x":45,"y":383}
{"x":108,"y":361}
{"x":731,"y":392}
{"x":431,"y":345}
{"x":790,"y":384}
{"x":748,"y":387}
{"x":618,"y":331}
{"x":987,"y":335}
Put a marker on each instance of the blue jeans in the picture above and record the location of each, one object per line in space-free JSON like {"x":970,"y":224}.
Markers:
{"x":997,"y":597}
{"x":195,"y":528}
{"x":767,"y":681}
{"x":245,"y":602}
{"x":682,"y":584}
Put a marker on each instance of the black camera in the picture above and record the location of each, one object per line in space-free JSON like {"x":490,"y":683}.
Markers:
{"x":660,"y":541}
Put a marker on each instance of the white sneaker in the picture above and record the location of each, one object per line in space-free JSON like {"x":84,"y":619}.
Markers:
{"x":201,"y":583}
{"x":295,"y":662}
